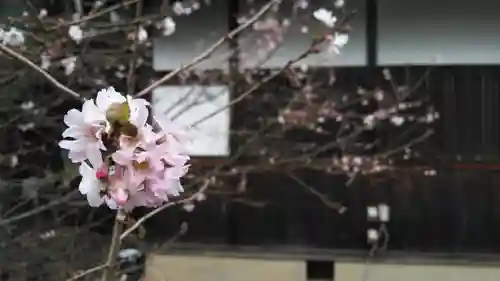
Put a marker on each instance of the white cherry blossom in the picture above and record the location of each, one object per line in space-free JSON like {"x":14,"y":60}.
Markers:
{"x":178,"y":9}
{"x":14,"y":37}
{"x":188,"y":207}
{"x":340,"y":39}
{"x":168,"y":26}
{"x":84,"y":128}
{"x":325,"y":16}
{"x":69,"y":65}
{"x":337,"y":42}
{"x":142,"y":35}
{"x":45,"y":61}
{"x":339,"y":3}
{"x":90,"y":186}
{"x":75,"y":33}
{"x":138,"y":107}
{"x":43,"y":13}
{"x":397,"y":120}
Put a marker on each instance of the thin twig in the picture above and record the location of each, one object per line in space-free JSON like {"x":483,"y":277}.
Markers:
{"x":114,"y":248}
{"x":411,"y":143}
{"x":256,"y":86}
{"x":310,"y":50}
{"x":38,"y":210}
{"x":97,"y":14}
{"x":211,"y":49}
{"x":38,"y":69}
{"x":131,"y":78}
{"x":238,"y":99}
{"x":87,"y":272}
{"x":163,"y":207}
{"x":324,"y":198}
{"x":374,"y":249}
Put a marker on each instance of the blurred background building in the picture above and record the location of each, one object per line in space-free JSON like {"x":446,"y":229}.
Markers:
{"x":442,"y":227}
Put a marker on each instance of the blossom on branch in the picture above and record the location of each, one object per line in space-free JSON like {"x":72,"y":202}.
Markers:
{"x":325,"y":16}
{"x":339,"y":4}
{"x":133,"y":162}
{"x":85,"y":128}
{"x":69,"y":64}
{"x":13,"y":37}
{"x":168,"y":26}
{"x":75,"y":33}
{"x":336,"y":42}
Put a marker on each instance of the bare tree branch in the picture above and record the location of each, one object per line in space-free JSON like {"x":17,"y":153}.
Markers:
{"x":98,"y":14}
{"x":211,"y":49}
{"x":163,"y":207}
{"x":38,"y":69}
{"x":114,"y":247}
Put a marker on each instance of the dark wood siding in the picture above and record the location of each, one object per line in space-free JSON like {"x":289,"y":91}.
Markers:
{"x":457,"y":211}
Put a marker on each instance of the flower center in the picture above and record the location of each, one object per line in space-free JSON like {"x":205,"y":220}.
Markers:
{"x":92,"y":131}
{"x":118,"y":112}
{"x":144,"y":165}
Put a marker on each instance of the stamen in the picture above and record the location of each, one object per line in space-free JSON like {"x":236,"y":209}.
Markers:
{"x":144,"y":165}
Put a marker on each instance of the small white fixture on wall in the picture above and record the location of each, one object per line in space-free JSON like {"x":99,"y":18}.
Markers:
{"x":188,"y":104}
{"x":384,"y":212}
{"x":372,"y":213}
{"x":372,"y":236}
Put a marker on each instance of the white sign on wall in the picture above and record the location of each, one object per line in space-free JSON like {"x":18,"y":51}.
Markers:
{"x":188,"y":104}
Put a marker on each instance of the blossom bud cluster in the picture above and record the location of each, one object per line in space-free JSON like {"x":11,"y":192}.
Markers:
{"x":125,"y":161}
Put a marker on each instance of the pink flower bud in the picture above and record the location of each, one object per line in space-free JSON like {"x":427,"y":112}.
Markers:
{"x":102,"y":172}
{"x":119,"y":195}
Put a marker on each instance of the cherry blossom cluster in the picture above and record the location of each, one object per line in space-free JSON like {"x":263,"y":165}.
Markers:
{"x":12,"y":37}
{"x":338,"y":40}
{"x":351,"y":164}
{"x":127,"y":157}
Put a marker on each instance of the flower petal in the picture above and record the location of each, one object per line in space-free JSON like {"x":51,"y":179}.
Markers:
{"x":136,"y":178}
{"x":111,"y":203}
{"x":77,"y":156}
{"x":89,"y":182}
{"x":94,"y":198}
{"x":73,"y":132}
{"x":176,"y":172}
{"x":77,"y":145}
{"x":91,"y":113}
{"x":123,"y":156}
{"x":73,"y":118}
{"x":141,"y":102}
{"x":176,"y":159}
{"x":94,"y":155}
{"x":179,"y":133}
{"x":174,"y":187}
{"x":157,"y":163}
{"x":85,"y":170}
{"x":138,"y":111}
{"x":119,"y":196}
{"x":108,"y":96}
{"x":85,"y":186}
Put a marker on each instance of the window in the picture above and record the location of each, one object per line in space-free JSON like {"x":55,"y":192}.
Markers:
{"x":194,"y":34}
{"x":431,"y":32}
{"x":296,"y":41}
{"x":188,"y":104}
